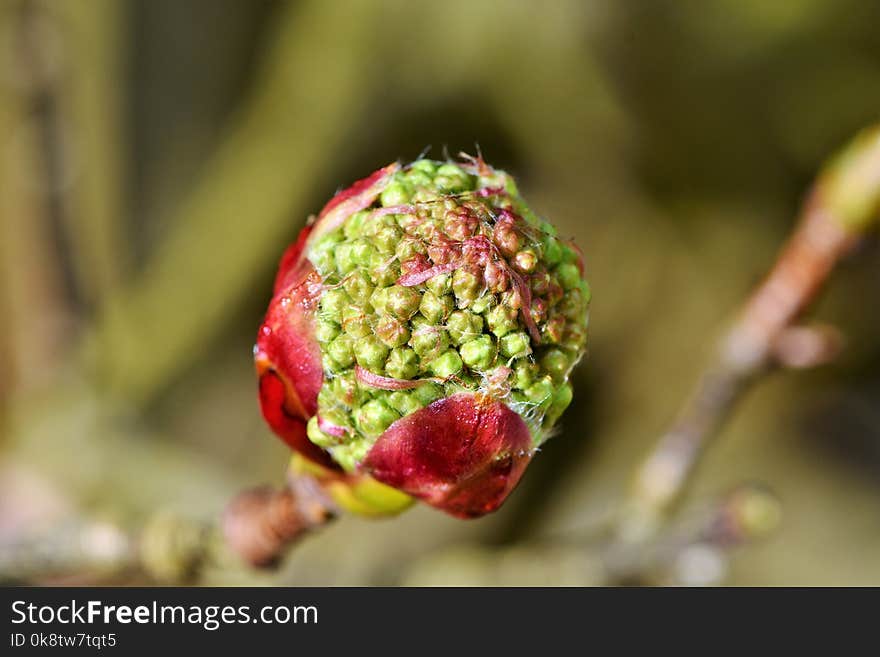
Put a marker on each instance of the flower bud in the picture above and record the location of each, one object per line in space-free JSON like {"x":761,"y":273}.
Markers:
{"x":479,"y":353}
{"x":420,"y":339}
{"x":463,"y":325}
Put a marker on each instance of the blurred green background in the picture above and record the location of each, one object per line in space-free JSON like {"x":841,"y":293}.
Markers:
{"x":156,"y":156}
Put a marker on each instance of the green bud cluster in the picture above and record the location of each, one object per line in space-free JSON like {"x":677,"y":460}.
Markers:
{"x":462,"y":329}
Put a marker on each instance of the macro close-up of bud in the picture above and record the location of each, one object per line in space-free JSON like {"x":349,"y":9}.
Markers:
{"x":299,"y":293}
{"x":420,"y":339}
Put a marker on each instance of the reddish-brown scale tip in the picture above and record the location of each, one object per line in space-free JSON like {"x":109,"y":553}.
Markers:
{"x":293,"y":265}
{"x":580,"y":256}
{"x":352,"y":199}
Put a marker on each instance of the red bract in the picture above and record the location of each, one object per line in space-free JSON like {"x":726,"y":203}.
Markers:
{"x":287,"y":355}
{"x":288,"y":359}
{"x":462,"y":454}
{"x":357,"y":197}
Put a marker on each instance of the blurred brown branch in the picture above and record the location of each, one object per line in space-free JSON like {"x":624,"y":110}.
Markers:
{"x":842,"y":206}
{"x":256,"y":530}
{"x":261,"y":524}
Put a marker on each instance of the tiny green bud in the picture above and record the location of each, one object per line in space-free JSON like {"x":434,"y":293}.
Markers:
{"x":374,"y":417}
{"x":418,"y":179}
{"x":408,"y":247}
{"x":343,"y":389}
{"x":575,"y":337}
{"x":404,"y":402}
{"x":572,"y":304}
{"x":428,"y":393}
{"x":425,"y":166}
{"x":428,"y":341}
{"x":524,"y":374}
{"x":337,"y":414}
{"x":464,"y":325}
{"x":330,"y":365}
{"x":447,"y":364}
{"x":344,"y":255}
{"x":481,"y":304}
{"x":354,"y":224}
{"x":341,"y":350}
{"x":465,"y":380}
{"x":570,"y":255}
{"x":375,"y":225}
{"x":450,"y":178}
{"x":327,"y":397}
{"x":552,"y":251}
{"x":435,"y":308}
{"x":402,"y":363}
{"x":478,"y":354}
{"x":440,"y":285}
{"x":370,"y":353}
{"x":501,"y":320}
{"x":392,"y":331}
{"x":402,"y":302}
{"x":326,"y":330}
{"x":548,"y":229}
{"x":387,"y":239}
{"x":540,"y":391}
{"x":515,"y":345}
{"x":395,"y":194}
{"x":346,"y":456}
{"x":378,"y":299}
{"x":554,"y":329}
{"x":568,"y":275}
{"x":355,"y":322}
{"x":322,"y":254}
{"x":525,"y":260}
{"x":466,"y":286}
{"x":586,"y":291}
{"x":384,"y":271}
{"x":359,"y":450}
{"x":556,"y":363}
{"x":333,"y":302}
{"x":358,"y":286}
{"x":363,"y":252}
{"x":561,"y":400}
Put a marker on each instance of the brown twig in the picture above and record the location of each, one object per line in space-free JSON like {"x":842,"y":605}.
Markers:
{"x":255,"y":531}
{"x":89,"y":548}
{"x":741,"y":516}
{"x":842,"y":206}
{"x":261,"y":524}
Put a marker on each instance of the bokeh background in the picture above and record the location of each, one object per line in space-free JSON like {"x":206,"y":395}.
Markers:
{"x":156,"y":156}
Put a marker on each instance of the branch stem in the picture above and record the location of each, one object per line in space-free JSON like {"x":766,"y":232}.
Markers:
{"x":842,"y":206}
